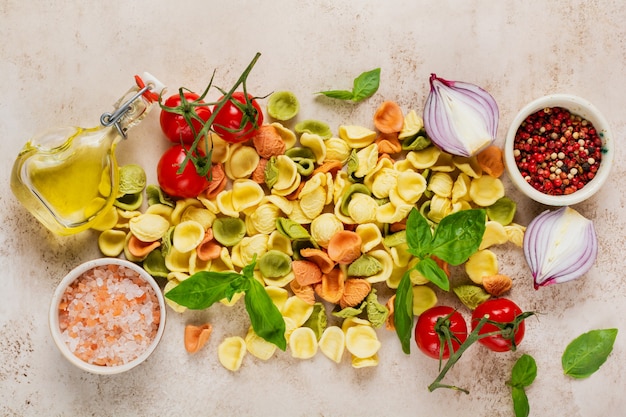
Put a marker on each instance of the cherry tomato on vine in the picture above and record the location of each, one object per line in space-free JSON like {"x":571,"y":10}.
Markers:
{"x":234,"y":125}
{"x":501,"y":310}
{"x":174,"y":125}
{"x":435,"y":327}
{"x":187,"y":184}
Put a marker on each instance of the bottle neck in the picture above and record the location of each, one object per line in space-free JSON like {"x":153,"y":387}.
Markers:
{"x":129,"y":110}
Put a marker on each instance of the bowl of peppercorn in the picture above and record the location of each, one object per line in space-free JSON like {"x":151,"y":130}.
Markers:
{"x":559,"y":150}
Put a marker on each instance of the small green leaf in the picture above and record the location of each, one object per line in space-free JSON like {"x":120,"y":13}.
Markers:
{"x":520,"y":402}
{"x":203,"y":289}
{"x":338,"y":94}
{"x":524,"y":372}
{"x":432,"y":272}
{"x":366,"y":84}
{"x":458,"y":235}
{"x":418,"y":234}
{"x":265,"y":317}
{"x":403,"y":312}
{"x":585,"y":354}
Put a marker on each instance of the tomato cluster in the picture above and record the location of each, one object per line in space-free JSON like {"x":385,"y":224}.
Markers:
{"x":442,"y":327}
{"x":180,"y":170}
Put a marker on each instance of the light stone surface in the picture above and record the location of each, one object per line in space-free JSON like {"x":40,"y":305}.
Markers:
{"x":65,"y":63}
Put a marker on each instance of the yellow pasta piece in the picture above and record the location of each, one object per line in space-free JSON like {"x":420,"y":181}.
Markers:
{"x":389,"y":213}
{"x":177,"y":261}
{"x":400,"y":255}
{"x":187,"y":235}
{"x":411,"y":126}
{"x":444,"y":163}
{"x":298,"y":216}
{"x":162,"y":210}
{"x":243,"y":252}
{"x":220,"y":149}
{"x":460,"y":189}
{"x":303,"y":343}
{"x":316,"y":144}
{"x":495,"y":234}
{"x":395,"y":276}
{"x":263,"y":219}
{"x":313,"y":203}
{"x":441,"y":183}
{"x":515,"y":234}
{"x":242,"y":162}
{"x":343,"y":218}
{"x":440,"y":207}
{"x":280,"y":242}
{"x":362,"y":208}
{"x":223,"y":263}
{"x":370,"y":235}
{"x":364,"y":362}
{"x":259,"y":347}
{"x":286,"y":206}
{"x":196,"y":264}
{"x":486,"y":190}
{"x":224,"y":202}
{"x":290,"y":326}
{"x":332,"y":343}
{"x":201,"y":215}
{"x":483,"y":263}
{"x":111,"y":242}
{"x":181,"y":207}
{"x":287,"y":135}
{"x":340,"y":185}
{"x":280,"y":281}
{"x":231,"y":352}
{"x":354,"y":321}
{"x":337,"y":150}
{"x":108,"y":221}
{"x":357,"y":136}
{"x":297,"y":310}
{"x":423,"y":299}
{"x":288,"y":178}
{"x":411,"y":185}
{"x":148,"y":227}
{"x":368,"y":159}
{"x":278,"y":296}
{"x":468,"y":166}
{"x":323,"y":227}
{"x":425,"y":158}
{"x":362,"y":341}
{"x":416,"y":277}
{"x":382,"y":180}
{"x":124,"y":217}
{"x":245,"y":194}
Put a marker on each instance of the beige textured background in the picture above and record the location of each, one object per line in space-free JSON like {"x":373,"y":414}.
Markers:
{"x":65,"y":63}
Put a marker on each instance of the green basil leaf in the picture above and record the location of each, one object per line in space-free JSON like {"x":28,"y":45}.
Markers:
{"x":458,"y":235}
{"x":403,"y":312}
{"x":366,"y":84}
{"x":338,"y":94}
{"x":520,"y":402}
{"x":432,"y":272}
{"x":265,"y":317}
{"x":585,"y":354}
{"x":524,"y":372}
{"x":203,"y":288}
{"x":418,"y":234}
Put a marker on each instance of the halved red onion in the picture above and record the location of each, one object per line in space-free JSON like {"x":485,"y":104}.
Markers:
{"x":459,"y":117}
{"x":559,"y":246}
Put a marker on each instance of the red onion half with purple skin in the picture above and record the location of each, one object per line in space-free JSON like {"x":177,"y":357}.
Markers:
{"x":559,"y":246}
{"x":459,"y":117}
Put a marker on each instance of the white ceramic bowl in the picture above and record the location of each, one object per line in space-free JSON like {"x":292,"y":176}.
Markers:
{"x":54,"y":317}
{"x":580,"y":107}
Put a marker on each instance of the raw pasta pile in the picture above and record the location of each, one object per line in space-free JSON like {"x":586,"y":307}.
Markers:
{"x":324,"y":216}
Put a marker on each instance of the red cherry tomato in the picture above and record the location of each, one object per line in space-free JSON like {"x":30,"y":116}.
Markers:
{"x":501,"y":310}
{"x":174,"y":126}
{"x":187,"y":184}
{"x":432,"y":327}
{"x":234,"y":125}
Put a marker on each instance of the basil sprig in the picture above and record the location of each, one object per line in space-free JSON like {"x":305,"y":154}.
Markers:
{"x":585,"y":354}
{"x":364,"y":86}
{"x":204,"y":288}
{"x":523,"y":374}
{"x":454,"y":240}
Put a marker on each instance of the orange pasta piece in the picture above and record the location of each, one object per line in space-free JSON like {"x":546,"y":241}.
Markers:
{"x":268,"y":142}
{"x":208,"y":249}
{"x":389,"y":323}
{"x":258,"y":175}
{"x":344,"y":247}
{"x":329,"y":166}
{"x":389,"y":118}
{"x":354,"y":292}
{"x":139,"y":248}
{"x":306,"y":272}
{"x":319,"y":257}
{"x":218,"y":181}
{"x":304,"y":292}
{"x":332,"y":285}
{"x":388,"y":143}
{"x":490,"y":160}
{"x":196,"y":336}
